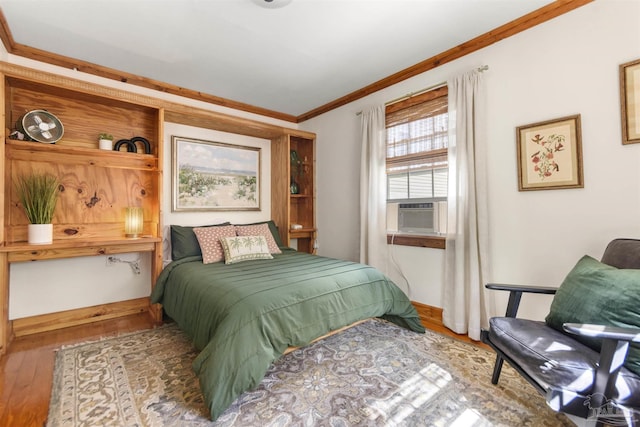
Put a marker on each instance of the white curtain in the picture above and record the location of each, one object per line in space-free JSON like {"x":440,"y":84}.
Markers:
{"x":373,"y":189}
{"x":466,"y":265}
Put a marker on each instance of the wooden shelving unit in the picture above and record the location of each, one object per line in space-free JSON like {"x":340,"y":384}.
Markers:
{"x":299,"y":208}
{"x":97,"y":185}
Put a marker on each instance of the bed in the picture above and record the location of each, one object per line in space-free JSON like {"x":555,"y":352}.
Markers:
{"x":243,"y":316}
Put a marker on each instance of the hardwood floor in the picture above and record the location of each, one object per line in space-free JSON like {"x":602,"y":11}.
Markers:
{"x":27,"y":368}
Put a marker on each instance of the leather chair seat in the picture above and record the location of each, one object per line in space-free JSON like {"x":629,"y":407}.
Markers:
{"x":556,"y":360}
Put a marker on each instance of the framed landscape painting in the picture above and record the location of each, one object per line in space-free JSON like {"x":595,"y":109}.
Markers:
{"x":209,"y":176}
{"x":550,"y":154}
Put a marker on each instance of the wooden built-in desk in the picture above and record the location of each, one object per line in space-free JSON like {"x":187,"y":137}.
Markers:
{"x":64,"y":249}
{"x":22,"y":251}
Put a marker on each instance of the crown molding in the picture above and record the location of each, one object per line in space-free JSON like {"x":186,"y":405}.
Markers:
{"x":509,"y":29}
{"x":546,"y":13}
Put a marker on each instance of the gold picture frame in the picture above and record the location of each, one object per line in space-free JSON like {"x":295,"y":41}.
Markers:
{"x":214,"y":176}
{"x":630,"y":101}
{"x":550,"y":154}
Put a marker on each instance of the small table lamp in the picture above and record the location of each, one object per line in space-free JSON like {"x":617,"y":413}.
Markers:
{"x":133,"y":222}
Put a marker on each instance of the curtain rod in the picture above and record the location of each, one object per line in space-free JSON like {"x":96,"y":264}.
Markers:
{"x":421,"y":91}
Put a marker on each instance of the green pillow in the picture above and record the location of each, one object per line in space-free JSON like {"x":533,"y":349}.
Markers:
{"x":184,"y":242}
{"x":597,"y":293}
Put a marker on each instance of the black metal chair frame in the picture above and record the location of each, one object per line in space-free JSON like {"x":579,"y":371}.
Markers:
{"x":615,"y":341}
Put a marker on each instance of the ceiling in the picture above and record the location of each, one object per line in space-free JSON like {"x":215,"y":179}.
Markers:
{"x":290,"y":59}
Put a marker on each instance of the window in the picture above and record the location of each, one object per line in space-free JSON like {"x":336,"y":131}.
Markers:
{"x":417,"y":168}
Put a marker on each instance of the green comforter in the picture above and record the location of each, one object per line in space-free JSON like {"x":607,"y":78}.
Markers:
{"x":244,"y":316}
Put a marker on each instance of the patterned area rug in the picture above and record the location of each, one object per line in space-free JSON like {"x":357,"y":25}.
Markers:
{"x":373,"y":374}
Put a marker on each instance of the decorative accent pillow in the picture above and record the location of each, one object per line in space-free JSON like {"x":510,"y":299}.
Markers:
{"x":244,"y":248}
{"x":184,"y":242}
{"x":599,"y":294}
{"x":259,"y":230}
{"x":272,"y":227}
{"x":209,"y":239}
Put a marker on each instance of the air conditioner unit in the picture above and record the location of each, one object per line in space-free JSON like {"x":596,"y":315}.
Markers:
{"x":419,"y":218}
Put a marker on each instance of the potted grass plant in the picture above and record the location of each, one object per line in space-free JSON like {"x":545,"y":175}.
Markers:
{"x":38,"y":193}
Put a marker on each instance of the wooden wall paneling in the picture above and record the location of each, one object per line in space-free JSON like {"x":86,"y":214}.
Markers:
{"x":206,"y":119}
{"x":35,"y":151}
{"x":3,"y":171}
{"x":67,"y":318}
{"x":159,"y":153}
{"x":5,"y":327}
{"x":157,"y":262}
{"x":90,"y":198}
{"x":280,"y":165}
{"x":83,"y":116}
{"x":174,"y":112}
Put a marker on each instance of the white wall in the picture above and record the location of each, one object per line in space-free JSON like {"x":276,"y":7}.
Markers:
{"x":566,"y":66}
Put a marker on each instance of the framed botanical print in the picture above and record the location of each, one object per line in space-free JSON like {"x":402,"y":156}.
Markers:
{"x":550,"y":154}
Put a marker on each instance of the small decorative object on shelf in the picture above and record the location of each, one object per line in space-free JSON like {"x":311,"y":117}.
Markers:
{"x":296,"y":171}
{"x":294,"y":187}
{"x":16,"y":134}
{"x":40,"y":126}
{"x":38,"y":194}
{"x":296,"y":164}
{"x":145,"y":143}
{"x":105,"y":141}
{"x":131,"y":145}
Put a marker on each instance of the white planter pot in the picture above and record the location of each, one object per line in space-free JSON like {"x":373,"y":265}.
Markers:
{"x":40,"y":234}
{"x":105,"y":144}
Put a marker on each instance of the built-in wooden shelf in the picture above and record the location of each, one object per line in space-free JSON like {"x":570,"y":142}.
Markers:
{"x":70,"y":154}
{"x":287,"y":208}
{"x":301,"y":232}
{"x":22,"y":251}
